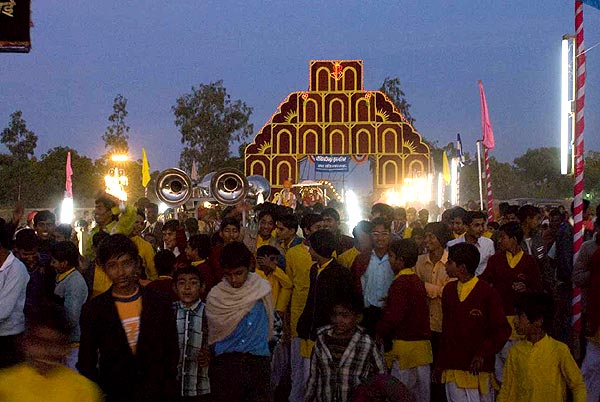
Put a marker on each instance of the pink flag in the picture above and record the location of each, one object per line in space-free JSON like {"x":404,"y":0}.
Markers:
{"x":69,"y":183}
{"x":486,"y":124}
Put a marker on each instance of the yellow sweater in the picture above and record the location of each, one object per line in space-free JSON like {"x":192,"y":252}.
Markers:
{"x":541,"y":372}
{"x":146,"y":251}
{"x":24,"y":384}
{"x":297,"y":267}
{"x":281,"y":287}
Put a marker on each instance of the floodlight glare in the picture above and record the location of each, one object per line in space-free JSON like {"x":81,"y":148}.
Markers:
{"x":565,"y":108}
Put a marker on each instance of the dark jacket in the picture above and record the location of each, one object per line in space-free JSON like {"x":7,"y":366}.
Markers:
{"x":106,"y":358}
{"x":328,"y":287}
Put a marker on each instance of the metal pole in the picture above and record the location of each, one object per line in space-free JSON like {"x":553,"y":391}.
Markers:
{"x":480,"y":175}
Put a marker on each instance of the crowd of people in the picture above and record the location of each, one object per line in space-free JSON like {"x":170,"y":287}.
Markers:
{"x":289,"y":308}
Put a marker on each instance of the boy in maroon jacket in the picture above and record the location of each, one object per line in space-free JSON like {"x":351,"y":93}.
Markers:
{"x":405,"y":322}
{"x":474,"y":329}
{"x":511,"y":272}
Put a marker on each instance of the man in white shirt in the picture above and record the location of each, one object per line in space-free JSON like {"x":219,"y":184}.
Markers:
{"x":475,"y":222}
{"x":13,"y":286}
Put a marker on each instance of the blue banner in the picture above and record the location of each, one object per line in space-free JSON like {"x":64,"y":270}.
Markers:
{"x":331,"y":163}
{"x":593,"y":3}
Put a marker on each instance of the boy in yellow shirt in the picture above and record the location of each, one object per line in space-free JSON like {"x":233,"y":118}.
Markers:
{"x":539,"y":368}
{"x":43,"y":377}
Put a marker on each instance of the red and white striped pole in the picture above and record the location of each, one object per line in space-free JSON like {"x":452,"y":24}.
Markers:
{"x":488,"y":183}
{"x":579,"y":150}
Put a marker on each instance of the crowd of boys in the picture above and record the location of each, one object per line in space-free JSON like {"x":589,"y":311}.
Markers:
{"x":405,"y":310}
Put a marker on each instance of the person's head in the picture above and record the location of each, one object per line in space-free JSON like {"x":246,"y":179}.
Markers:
{"x":103,"y":209}
{"x":169,"y":232}
{"x":437,"y":235}
{"x":555,"y":218}
{"x":535,"y":313}
{"x":346,"y":314}
{"x":198,"y":247}
{"x":475,"y":221}
{"x":142,"y":203}
{"x":118,"y":257}
{"x":458,"y":216}
{"x":63,"y":232}
{"x":164,"y":261}
{"x":191,"y":225}
{"x":188,"y":284}
{"x":463,"y":260}
{"x":586,"y":208}
{"x":331,"y":219}
{"x":530,"y":217}
{"x":511,"y":213}
{"x":269,"y":252}
{"x":384,"y":210}
{"x":97,"y":239}
{"x":362,"y":236}
{"x":381,"y":234}
{"x":26,"y":247}
{"x":151,"y":212}
{"x":423,"y":216}
{"x":266,"y":224}
{"x":402,"y":254}
{"x":411,"y":215}
{"x":311,"y":223}
{"x":140,"y":223}
{"x":511,"y":236}
{"x":44,"y":223}
{"x":64,"y":256}
{"x":322,"y":245}
{"x":287,"y":226}
{"x":45,"y":342}
{"x":230,"y":229}
{"x":236,"y":260}
{"x":418,"y":235}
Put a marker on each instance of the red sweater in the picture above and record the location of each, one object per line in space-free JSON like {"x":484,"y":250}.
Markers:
{"x":475,"y":327}
{"x":406,"y":314}
{"x":501,"y":276}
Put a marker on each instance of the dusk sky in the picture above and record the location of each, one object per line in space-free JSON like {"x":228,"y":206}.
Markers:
{"x":86,"y":52}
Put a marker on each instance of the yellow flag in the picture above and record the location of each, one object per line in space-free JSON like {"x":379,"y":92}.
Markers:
{"x":445,"y":168}
{"x":145,"y":169}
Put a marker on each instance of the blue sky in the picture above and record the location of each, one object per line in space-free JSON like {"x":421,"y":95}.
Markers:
{"x":86,"y":52}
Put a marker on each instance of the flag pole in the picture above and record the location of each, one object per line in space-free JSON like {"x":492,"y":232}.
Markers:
{"x":480,"y":173}
{"x":488,"y":183}
{"x":579,"y":154}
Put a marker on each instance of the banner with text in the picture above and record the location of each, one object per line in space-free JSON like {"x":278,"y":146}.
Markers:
{"x":14,"y":26}
{"x":331,"y":163}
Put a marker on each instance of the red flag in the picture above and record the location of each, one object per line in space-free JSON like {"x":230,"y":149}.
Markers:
{"x":486,"y":124}
{"x":69,"y":183}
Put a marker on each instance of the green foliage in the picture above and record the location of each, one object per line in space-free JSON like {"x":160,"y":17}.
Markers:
{"x":117,"y":133}
{"x":391,"y":87}
{"x":209,"y":121}
{"x":20,"y":141}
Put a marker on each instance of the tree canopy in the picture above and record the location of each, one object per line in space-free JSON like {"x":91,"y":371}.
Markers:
{"x":209,"y":121}
{"x":117,"y":133}
{"x":20,"y":141}
{"x":392,"y":88}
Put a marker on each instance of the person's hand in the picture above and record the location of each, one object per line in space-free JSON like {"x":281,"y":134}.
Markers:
{"x":519,"y":287}
{"x":476,"y":365}
{"x":18,"y":212}
{"x":204,"y":357}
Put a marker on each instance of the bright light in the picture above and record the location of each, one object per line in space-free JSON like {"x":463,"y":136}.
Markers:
{"x":119,"y":158}
{"x":116,"y":183}
{"x":565,"y":108}
{"x":453,"y":181}
{"x":66,"y":211}
{"x":353,"y":211}
{"x":415,"y":191}
{"x":440,"y":190}
{"x":162,"y":207}
{"x":260,"y":198}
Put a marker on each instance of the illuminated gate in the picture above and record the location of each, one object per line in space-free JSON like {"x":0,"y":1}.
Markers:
{"x":337,"y":116}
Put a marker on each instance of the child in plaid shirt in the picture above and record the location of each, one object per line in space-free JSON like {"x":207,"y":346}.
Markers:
{"x":192,"y":328}
{"x":344,"y":355}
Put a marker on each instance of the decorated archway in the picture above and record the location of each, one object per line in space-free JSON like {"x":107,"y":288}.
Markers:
{"x":337,"y":116}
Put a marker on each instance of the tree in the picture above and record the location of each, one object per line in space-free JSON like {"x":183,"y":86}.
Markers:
{"x":391,"y":87}
{"x":116,"y":135}
{"x":539,"y":170}
{"x":209,"y":121}
{"x":20,"y":141}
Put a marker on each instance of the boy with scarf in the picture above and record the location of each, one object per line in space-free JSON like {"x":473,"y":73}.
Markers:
{"x":240,"y":316}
